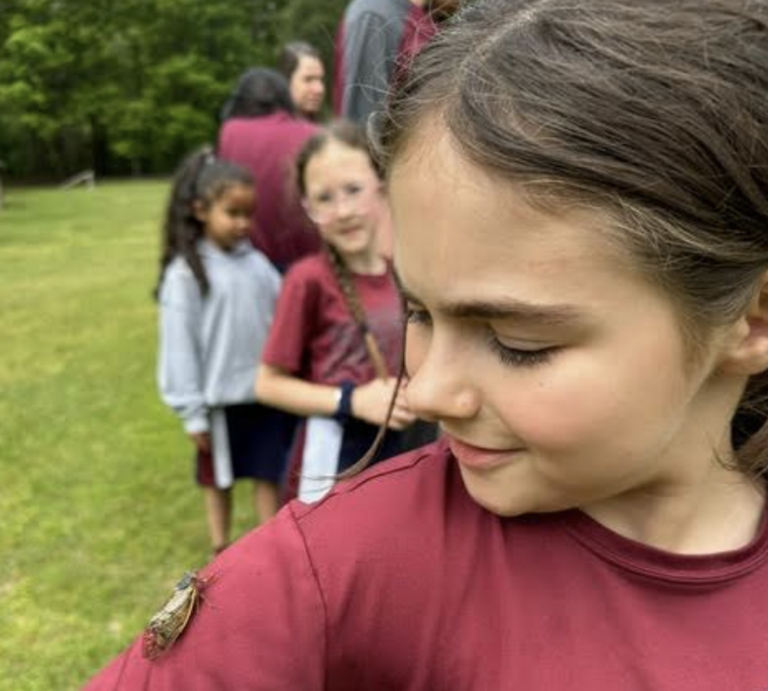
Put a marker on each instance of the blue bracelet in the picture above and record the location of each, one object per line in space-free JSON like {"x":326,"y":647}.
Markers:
{"x":344,"y":408}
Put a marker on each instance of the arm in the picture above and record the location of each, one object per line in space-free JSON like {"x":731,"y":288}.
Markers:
{"x":370,"y":401}
{"x":278,"y":388}
{"x":179,"y":375}
{"x":260,"y":624}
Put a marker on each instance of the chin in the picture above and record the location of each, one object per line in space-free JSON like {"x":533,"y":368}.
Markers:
{"x":495,"y":500}
{"x":509,"y":501}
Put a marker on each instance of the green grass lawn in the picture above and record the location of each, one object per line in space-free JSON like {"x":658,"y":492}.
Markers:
{"x":99,"y":512}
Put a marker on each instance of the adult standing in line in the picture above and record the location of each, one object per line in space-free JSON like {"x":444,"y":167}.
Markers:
{"x":261,"y":132}
{"x":302,"y":66}
{"x":375,"y":39}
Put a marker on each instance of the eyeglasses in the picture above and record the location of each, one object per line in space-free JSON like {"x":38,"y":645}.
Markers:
{"x":324,"y":206}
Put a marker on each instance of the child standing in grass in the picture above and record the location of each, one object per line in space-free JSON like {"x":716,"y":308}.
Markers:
{"x":335,"y":346}
{"x":217,"y":297}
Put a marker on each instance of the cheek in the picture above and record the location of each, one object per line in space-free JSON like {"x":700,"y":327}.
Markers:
{"x":325,"y":230}
{"x":373,"y":209}
{"x":416,"y":344}
{"x":558,"y":412}
{"x":579,"y":403}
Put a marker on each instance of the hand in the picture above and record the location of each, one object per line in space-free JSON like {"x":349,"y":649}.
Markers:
{"x":370,"y":402}
{"x":202,"y":440}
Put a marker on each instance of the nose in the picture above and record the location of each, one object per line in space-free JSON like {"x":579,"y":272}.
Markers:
{"x":344,"y":205}
{"x":441,"y":386}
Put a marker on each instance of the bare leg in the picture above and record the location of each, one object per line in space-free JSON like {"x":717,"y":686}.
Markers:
{"x":266,"y":497}
{"x":218,"y":510}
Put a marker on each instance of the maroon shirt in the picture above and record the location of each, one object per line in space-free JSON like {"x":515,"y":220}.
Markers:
{"x":397,"y":580}
{"x":313,"y":334}
{"x":267,"y":146}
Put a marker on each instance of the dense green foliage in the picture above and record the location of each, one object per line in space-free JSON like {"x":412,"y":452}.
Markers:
{"x":130,"y":86}
{"x":100,"y":512}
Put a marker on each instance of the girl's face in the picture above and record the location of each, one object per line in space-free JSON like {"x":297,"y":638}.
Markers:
{"x":307,"y":85}
{"x":343,"y":198}
{"x":558,"y":373}
{"x":227,"y":219}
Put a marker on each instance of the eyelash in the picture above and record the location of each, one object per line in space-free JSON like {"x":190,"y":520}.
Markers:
{"x":351,"y":190}
{"x":517,"y":357}
{"x":416,"y":316}
{"x":508,"y":356}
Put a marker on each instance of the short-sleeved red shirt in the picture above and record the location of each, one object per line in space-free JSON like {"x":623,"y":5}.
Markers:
{"x":314,"y":335}
{"x":399,"y":581}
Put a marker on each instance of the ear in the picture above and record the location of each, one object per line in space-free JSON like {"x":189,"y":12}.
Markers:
{"x":200,"y":211}
{"x":746,"y":347}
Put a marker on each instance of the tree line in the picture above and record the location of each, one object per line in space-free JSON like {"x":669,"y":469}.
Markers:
{"x":129,"y":86}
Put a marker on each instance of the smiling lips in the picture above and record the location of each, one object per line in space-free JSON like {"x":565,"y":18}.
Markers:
{"x":349,"y":231}
{"x":477,"y":458}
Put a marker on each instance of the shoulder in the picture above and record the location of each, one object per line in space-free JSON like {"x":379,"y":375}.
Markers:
{"x":240,"y":132}
{"x":231,"y":129}
{"x":259,"y":262}
{"x":371,"y":11}
{"x":236,"y":124}
{"x":312,"y":268}
{"x":178,"y":276}
{"x":375,"y":522}
{"x":292,"y":129}
{"x":180,"y":291}
{"x":399,"y":499}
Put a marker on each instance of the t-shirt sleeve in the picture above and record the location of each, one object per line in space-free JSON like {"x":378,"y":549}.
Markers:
{"x":260,"y":625}
{"x":294,"y":322}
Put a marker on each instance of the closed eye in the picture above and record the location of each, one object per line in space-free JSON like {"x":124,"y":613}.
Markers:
{"x":353,"y":189}
{"x":417,"y":315}
{"x":507,"y":355}
{"x":520,"y":357}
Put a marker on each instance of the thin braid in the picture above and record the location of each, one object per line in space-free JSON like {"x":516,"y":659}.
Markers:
{"x":344,"y":278}
{"x":348,"y":290}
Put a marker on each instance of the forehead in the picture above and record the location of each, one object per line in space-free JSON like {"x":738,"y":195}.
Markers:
{"x":309,"y":66}
{"x":478,"y":233}
{"x":336,"y":163}
{"x":237,"y":193}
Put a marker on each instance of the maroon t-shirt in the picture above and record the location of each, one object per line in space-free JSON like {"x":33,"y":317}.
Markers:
{"x":313,"y":334}
{"x":397,"y":580}
{"x":267,"y":146}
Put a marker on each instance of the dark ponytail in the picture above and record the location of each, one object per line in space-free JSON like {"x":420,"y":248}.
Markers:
{"x":200,"y":178}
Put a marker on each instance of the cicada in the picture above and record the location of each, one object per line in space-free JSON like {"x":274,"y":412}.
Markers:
{"x":169,"y":623}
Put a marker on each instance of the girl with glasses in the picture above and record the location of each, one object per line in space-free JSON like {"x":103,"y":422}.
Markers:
{"x":334,"y":348}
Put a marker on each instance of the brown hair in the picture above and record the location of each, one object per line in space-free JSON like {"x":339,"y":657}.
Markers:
{"x":653,"y":110}
{"x":349,"y":134}
{"x":291,"y":55}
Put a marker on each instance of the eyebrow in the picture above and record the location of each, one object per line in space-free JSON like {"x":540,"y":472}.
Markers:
{"x":505,"y":308}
